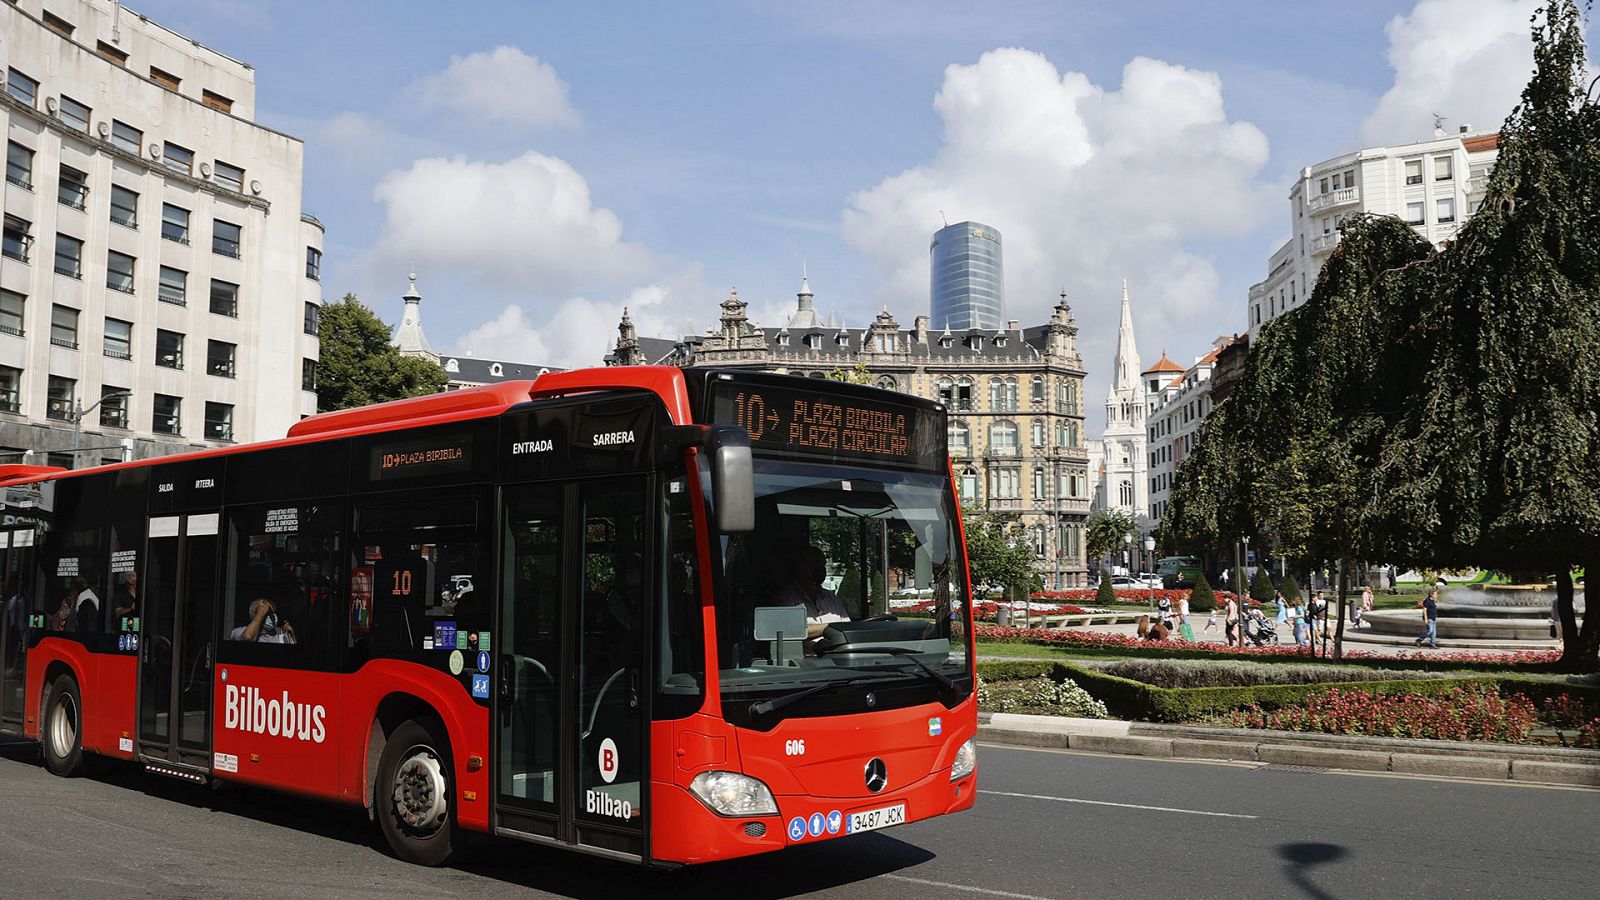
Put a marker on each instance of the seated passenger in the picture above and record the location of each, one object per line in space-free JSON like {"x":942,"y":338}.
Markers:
{"x":264,"y":626}
{"x":805,"y":588}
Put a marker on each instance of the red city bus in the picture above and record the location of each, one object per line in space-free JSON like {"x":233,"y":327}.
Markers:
{"x":638,"y":612}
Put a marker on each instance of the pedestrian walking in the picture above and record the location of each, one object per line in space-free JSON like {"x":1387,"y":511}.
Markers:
{"x":1430,"y":618}
{"x":1297,"y":622}
{"x":1184,"y":631}
{"x":1230,"y":627}
{"x":1211,"y":620}
{"x":1366,"y":604}
{"x":1283,"y":608}
{"x":1164,"y":607}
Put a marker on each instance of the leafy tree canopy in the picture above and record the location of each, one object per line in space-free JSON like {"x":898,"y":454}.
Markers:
{"x":358,"y":366}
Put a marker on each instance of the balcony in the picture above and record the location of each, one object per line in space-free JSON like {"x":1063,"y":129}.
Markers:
{"x":1324,"y":243}
{"x":1341,"y":197}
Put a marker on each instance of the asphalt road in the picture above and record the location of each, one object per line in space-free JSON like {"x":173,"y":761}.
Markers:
{"x":1048,"y":824}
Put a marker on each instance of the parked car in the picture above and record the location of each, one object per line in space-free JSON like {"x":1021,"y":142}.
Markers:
{"x":1150,"y":580}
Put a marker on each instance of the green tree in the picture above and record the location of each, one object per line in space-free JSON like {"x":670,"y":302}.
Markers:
{"x":1105,"y":594}
{"x":1104,"y":533}
{"x":857,"y":374}
{"x":996,"y":553}
{"x":1202,"y":598}
{"x":358,"y":366}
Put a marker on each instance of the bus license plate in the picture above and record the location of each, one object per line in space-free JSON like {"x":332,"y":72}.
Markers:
{"x":873,"y":819}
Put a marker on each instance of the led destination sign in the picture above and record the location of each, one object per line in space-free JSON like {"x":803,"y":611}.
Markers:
{"x":813,"y":423}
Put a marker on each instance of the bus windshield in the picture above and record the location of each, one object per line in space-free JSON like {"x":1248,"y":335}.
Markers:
{"x":806,"y":609}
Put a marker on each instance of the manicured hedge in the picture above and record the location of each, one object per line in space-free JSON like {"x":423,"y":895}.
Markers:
{"x":1129,"y":699}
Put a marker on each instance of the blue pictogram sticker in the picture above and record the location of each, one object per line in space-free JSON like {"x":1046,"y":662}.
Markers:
{"x":122,"y":642}
{"x":480,"y":686}
{"x":797,"y":829}
{"x":483,"y":660}
{"x":833,"y":821}
{"x":815,"y":825}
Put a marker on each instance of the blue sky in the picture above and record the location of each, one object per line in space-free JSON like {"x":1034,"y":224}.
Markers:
{"x":546,"y":163}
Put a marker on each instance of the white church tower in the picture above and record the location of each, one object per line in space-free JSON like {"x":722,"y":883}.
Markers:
{"x":1124,"y":475}
{"x":408,"y":336}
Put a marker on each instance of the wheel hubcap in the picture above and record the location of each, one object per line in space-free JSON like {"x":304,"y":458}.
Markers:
{"x":64,"y":727}
{"x":421,"y":800}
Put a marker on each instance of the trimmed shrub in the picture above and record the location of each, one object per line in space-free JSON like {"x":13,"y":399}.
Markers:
{"x":1042,"y":695}
{"x":1194,"y":673}
{"x":1107,"y":594}
{"x":1290,"y":588}
{"x":1261,"y":586}
{"x":1202,"y":598}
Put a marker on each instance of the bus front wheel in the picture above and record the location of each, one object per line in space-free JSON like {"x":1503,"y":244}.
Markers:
{"x":62,"y":734}
{"x":415,"y":794}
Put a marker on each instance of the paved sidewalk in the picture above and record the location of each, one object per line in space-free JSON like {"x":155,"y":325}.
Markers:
{"x":1355,"y":638}
{"x":1500,"y":762}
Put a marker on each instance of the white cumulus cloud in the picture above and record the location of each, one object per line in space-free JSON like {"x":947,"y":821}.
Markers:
{"x":1086,"y":185}
{"x":527,"y":223}
{"x":1465,"y":60}
{"x":501,"y":86}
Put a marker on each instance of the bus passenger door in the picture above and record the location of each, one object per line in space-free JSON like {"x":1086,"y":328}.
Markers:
{"x":13,"y":626}
{"x":176,"y":649}
{"x":570,"y":736}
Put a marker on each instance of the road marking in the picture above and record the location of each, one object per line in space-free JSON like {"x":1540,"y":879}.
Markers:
{"x":987,"y":892}
{"x":1462,"y":779}
{"x":1191,"y":812}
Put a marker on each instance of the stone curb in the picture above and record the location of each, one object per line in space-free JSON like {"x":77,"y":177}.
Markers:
{"x":1452,"y":759}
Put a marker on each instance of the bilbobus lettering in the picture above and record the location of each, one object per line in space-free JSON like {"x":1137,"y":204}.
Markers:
{"x":247,"y":710}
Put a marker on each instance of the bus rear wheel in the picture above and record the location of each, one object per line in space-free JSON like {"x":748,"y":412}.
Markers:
{"x":414,"y":793}
{"x":62,"y":732}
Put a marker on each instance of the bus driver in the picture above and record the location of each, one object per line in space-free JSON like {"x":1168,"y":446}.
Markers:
{"x":805,"y":587}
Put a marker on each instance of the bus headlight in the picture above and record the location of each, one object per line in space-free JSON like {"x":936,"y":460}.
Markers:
{"x":966,"y":760}
{"x":732,"y":794}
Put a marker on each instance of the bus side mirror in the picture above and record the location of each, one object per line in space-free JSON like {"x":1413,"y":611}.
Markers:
{"x":733,"y":487}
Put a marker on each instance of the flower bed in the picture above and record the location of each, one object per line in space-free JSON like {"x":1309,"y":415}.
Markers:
{"x":1097,"y":640}
{"x":1468,"y":713}
{"x":1040,"y":695}
{"x":1125,"y":595}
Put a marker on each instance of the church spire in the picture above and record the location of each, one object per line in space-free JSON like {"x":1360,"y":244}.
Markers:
{"x":1125,"y":369}
{"x":408,"y":336}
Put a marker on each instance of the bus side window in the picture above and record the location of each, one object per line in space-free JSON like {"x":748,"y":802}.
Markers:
{"x":283,"y":581}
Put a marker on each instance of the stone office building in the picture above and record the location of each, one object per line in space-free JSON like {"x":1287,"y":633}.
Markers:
{"x":1014,"y":395}
{"x":159,"y":282}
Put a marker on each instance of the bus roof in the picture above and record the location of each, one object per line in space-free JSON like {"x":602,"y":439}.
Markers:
{"x":666,"y":382}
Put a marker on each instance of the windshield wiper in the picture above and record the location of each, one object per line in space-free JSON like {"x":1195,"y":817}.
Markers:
{"x":910,"y":654}
{"x":762,"y":707}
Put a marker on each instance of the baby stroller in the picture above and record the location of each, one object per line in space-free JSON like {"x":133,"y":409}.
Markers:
{"x":1258,"y":628}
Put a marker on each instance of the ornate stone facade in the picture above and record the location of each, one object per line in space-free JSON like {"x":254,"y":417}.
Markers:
{"x":1015,"y":397}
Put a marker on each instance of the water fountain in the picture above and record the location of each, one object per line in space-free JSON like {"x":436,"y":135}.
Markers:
{"x":1486,"y":612}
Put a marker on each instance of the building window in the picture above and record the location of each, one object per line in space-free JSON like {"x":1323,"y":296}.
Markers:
{"x":1038,"y":483}
{"x":968,"y":488}
{"x":177,"y":158}
{"x":229,"y":176}
{"x":12,"y":307}
{"x":219,"y":422}
{"x":308,"y":375}
{"x":216,"y":101}
{"x":1003,"y":394}
{"x":1441,"y":168}
{"x":1037,"y":392}
{"x":169,"y":349}
{"x":113,"y":406}
{"x":1003,"y":439}
{"x":1125,"y":493}
{"x":22,"y":87}
{"x":124,"y":206}
{"x":813,"y":341}
{"x":1350,"y":178}
{"x":225,"y":238}
{"x":69,"y":256}
{"x":109,"y":52}
{"x":1005,"y":483}
{"x":887,"y":383}
{"x":119,"y":272}
{"x":1414,"y":213}
{"x":57,"y":24}
{"x":17,"y":241}
{"x":174,"y":223}
{"x":219,"y":358}
{"x":10,"y":389}
{"x":19,"y":165}
{"x":73,"y":188}
{"x":960,"y":436}
{"x":64,"y":326}
{"x":166,"y":415}
{"x":1322,"y":186}
{"x":60,"y":393}
{"x":119,"y":339}
{"x":74,"y":114}
{"x":313,"y":318}
{"x":165,"y":79}
{"x":126,"y":137}
{"x":174,"y":286}
{"x":225,"y":298}
{"x":1038,"y":434}
{"x":1444,"y":209}
{"x":1413,"y":171}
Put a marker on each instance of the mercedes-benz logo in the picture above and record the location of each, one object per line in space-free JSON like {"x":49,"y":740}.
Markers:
{"x":877,"y":775}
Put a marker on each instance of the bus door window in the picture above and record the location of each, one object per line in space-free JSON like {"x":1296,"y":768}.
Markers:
{"x":615,"y":594}
{"x":15,"y":626}
{"x":532,"y":665}
{"x":422,"y":561}
{"x":282,"y":583}
{"x":680,"y":645}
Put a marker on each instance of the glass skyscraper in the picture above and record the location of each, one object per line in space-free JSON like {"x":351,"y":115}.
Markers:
{"x":968,"y":290}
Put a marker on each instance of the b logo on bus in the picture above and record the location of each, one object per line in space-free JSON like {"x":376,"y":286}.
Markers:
{"x":247,"y":710}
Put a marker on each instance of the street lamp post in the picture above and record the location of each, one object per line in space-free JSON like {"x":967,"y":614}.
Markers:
{"x":77,"y":419}
{"x":1150,"y":551}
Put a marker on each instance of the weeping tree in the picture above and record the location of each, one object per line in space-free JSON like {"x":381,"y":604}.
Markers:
{"x":1438,"y":408}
